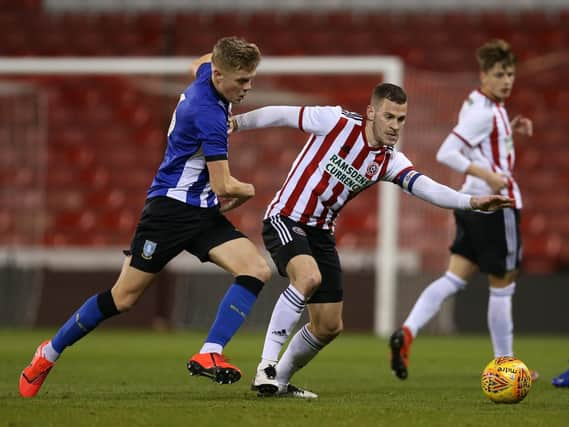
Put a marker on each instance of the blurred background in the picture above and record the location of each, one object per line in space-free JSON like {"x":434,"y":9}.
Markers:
{"x":79,"y":149}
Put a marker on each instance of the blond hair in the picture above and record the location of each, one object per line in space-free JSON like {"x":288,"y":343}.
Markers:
{"x":493,"y":52}
{"x":233,"y":53}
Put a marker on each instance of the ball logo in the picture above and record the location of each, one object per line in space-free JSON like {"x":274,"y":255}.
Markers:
{"x":148,"y":249}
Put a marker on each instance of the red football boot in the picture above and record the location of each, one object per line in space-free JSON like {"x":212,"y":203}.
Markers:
{"x":400,"y":345}
{"x":214,"y":366}
{"x":35,"y":373}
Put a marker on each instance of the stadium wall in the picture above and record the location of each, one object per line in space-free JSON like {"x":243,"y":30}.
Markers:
{"x":190,"y":300}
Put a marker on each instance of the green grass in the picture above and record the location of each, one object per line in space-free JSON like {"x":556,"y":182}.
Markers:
{"x":126,"y":378}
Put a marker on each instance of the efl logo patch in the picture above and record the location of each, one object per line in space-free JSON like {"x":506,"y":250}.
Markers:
{"x":299,"y":231}
{"x":148,"y":249}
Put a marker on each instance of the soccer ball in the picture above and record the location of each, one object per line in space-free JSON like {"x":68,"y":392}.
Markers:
{"x":506,"y":380}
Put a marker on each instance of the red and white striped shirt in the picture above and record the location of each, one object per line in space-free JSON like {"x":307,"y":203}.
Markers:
{"x":335,"y":165}
{"x":484,"y":128}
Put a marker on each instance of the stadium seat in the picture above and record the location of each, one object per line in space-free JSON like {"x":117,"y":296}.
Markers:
{"x":91,"y":162}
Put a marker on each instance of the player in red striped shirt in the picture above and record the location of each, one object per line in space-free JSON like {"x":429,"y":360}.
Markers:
{"x":345,"y":154}
{"x":482,"y":147}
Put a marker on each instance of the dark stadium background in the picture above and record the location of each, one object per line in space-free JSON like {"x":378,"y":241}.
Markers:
{"x":106,"y":137}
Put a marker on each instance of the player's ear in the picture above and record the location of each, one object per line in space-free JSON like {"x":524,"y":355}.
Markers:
{"x":370,"y":112}
{"x":216,"y":74}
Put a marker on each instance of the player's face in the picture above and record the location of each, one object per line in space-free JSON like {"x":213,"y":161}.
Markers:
{"x":387,"y":120}
{"x":235,"y":84}
{"x":498,"y":81}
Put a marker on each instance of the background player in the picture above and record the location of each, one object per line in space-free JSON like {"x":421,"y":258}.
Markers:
{"x":481,"y":146}
{"x":345,"y":154}
{"x":182,"y":212}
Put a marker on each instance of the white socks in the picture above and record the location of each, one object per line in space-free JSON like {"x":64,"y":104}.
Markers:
{"x":286,"y":314}
{"x":49,"y":352}
{"x":500,"y":320}
{"x":429,"y":302}
{"x":302,"y":348}
{"x":211,"y":347}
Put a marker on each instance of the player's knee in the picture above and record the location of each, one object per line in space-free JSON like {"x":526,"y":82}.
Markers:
{"x":124,"y":301}
{"x":261,"y":270}
{"x":329,"y":329}
{"x":309,"y":282}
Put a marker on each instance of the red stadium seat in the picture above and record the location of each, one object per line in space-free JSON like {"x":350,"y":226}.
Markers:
{"x":106,"y":135}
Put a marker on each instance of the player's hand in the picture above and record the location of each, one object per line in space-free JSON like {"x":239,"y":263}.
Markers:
{"x":232,"y":126}
{"x":490,"y":203}
{"x":496,"y":181}
{"x":522,"y":125}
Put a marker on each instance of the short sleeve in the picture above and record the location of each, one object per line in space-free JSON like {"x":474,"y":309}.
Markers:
{"x":212,"y":133}
{"x":474,"y":124}
{"x":318,"y":120}
{"x":398,"y":165}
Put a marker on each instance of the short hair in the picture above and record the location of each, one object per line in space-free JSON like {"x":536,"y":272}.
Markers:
{"x":233,"y":53}
{"x":388,"y":91}
{"x":494,"y":52}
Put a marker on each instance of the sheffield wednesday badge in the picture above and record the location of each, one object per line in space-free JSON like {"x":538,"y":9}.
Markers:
{"x":148,"y":249}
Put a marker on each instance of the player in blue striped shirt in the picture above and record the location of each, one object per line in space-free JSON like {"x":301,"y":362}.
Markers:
{"x":183,"y":212}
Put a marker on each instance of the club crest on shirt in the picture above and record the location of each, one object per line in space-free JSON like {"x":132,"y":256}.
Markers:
{"x":372,"y":170}
{"x":299,"y":231}
{"x":148,"y":249}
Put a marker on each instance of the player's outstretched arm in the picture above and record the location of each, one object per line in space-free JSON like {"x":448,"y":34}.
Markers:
{"x":274,"y":116}
{"x":440,"y":195}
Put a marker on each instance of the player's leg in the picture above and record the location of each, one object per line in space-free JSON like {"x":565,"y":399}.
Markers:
{"x":289,"y":245}
{"x":325,"y":309}
{"x":128,"y":288}
{"x":426,"y":307}
{"x":462,"y":265}
{"x":459,"y":271}
{"x":305,"y":278}
{"x":500,"y":250}
{"x":500,"y":321}
{"x":324,"y":326}
{"x":240,"y":257}
{"x":308,"y":257}
{"x":154,"y":244}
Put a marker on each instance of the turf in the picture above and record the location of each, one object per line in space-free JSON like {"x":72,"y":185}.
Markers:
{"x":127,"y":378}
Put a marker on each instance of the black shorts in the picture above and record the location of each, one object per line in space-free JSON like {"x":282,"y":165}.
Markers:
{"x":168,"y":226}
{"x":492,"y":241}
{"x":285,"y":239}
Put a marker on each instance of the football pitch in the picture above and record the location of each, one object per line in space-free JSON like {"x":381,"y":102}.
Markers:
{"x":134,"y":378}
